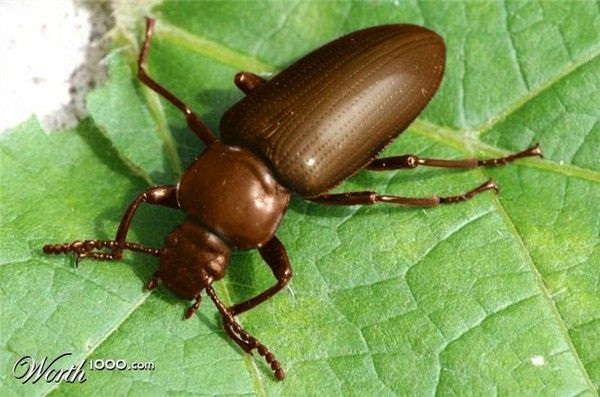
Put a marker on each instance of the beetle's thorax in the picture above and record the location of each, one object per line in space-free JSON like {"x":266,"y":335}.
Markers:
{"x":191,"y":259}
{"x":233,"y":194}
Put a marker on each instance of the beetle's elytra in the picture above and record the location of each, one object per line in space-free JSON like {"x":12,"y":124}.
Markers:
{"x":327,"y":115}
{"x":313,"y":125}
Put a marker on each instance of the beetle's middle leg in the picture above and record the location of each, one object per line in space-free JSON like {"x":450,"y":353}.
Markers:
{"x":412,"y":161}
{"x":370,"y":198}
{"x":247,"y":81}
{"x":159,"y":195}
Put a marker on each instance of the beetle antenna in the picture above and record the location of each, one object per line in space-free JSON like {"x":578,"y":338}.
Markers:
{"x":83,"y":249}
{"x":194,"y":121}
{"x":246,"y":338}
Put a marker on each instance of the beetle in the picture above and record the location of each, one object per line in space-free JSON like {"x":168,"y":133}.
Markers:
{"x":310,"y":127}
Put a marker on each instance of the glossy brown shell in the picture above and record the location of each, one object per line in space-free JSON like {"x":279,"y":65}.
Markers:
{"x":326,"y":116}
{"x":231,"y":192}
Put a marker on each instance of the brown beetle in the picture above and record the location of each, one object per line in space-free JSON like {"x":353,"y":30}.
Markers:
{"x":313,"y":125}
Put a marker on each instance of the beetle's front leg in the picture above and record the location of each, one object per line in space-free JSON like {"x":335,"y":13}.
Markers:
{"x":276,"y":257}
{"x":247,"y":81}
{"x":246,"y":341}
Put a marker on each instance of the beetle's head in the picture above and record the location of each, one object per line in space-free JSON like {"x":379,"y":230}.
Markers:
{"x":192,"y":259}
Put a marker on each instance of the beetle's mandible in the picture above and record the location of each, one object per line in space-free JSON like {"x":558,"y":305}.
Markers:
{"x":306,"y":130}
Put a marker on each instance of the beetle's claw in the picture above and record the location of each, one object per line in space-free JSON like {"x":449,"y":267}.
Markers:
{"x":537,"y":150}
{"x":492,"y":185}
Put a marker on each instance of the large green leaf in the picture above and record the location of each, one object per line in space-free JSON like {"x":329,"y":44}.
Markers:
{"x":498,"y":295}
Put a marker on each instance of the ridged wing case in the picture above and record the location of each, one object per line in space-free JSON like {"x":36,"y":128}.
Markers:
{"x":326,"y":116}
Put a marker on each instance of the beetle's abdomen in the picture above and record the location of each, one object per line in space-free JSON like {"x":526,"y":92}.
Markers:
{"x":326,"y":116}
{"x":233,"y":194}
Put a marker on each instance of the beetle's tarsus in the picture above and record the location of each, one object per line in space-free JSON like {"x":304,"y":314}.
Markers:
{"x":488,"y":185}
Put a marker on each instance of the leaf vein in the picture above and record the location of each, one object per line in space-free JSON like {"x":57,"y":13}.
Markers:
{"x":544,"y":290}
{"x":568,"y":70}
{"x":115,"y":327}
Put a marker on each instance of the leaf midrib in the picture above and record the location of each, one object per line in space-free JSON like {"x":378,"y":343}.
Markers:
{"x":447,"y":136}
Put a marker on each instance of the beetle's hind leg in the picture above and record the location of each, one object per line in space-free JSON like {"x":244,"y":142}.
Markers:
{"x":412,"y":161}
{"x":370,"y":198}
{"x":247,"y":81}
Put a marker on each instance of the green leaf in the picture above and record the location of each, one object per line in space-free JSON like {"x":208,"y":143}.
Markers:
{"x":497,"y":295}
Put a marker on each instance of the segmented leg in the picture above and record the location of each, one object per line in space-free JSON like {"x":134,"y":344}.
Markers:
{"x":247,"y":81}
{"x":412,"y":161}
{"x":194,"y":307}
{"x":369,"y":198}
{"x":273,"y":253}
{"x":246,"y":341}
{"x":165,"y":196}
{"x":193,"y":120}
{"x":160,"y":195}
